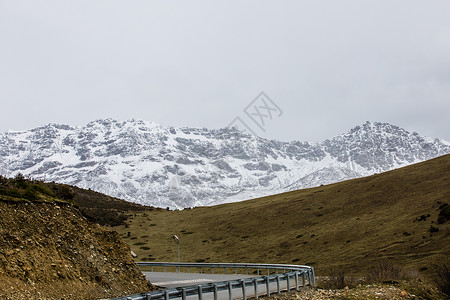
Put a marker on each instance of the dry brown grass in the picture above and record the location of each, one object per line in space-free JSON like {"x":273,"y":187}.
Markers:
{"x":352,"y":224}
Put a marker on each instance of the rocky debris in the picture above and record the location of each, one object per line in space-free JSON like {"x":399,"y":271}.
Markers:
{"x":375,"y":291}
{"x":50,"y":251}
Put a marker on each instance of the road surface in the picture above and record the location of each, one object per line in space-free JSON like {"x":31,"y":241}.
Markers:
{"x":168,"y":280}
{"x":171,"y":280}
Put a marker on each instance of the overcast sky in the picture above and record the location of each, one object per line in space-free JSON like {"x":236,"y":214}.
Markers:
{"x":327,"y":66}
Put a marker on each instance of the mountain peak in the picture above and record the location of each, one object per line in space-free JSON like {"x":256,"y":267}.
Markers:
{"x":141,"y":161}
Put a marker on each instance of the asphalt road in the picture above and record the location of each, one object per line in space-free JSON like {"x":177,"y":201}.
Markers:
{"x":172,"y":280}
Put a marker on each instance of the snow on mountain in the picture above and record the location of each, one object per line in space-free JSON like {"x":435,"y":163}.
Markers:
{"x":151,"y":164}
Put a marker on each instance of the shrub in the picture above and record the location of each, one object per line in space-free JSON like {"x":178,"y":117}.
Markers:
{"x":444,"y":213}
{"x":3,"y":180}
{"x":433,"y":229}
{"x":337,"y":279}
{"x":64,"y":192}
{"x":11,"y":193}
{"x":20,"y":181}
{"x":43,"y":190}
{"x":386,"y":271}
{"x":104,"y":217}
{"x":443,"y":278}
{"x":30,"y":194}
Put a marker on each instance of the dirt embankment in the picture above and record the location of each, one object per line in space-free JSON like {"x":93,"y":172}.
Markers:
{"x":49,"y":251}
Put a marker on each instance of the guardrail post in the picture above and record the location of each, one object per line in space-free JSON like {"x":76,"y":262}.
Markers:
{"x":201,"y":270}
{"x":148,"y":297}
{"x":268,"y":286}
{"x":183,"y":293}
{"x":152,"y":268}
{"x":288,"y":287}
{"x":215,"y":291}
{"x":235,"y":270}
{"x":278,"y":285}
{"x":246,"y":270}
{"x":166,"y":295}
{"x":303,"y":279}
{"x":296,"y":281}
{"x":309,"y":277}
{"x":313,"y":275}
{"x":268,"y":271}
{"x":230,"y":291}
{"x":164,"y":268}
{"x":255,"y":283}
{"x":244,"y":296}
{"x":200,"y":292}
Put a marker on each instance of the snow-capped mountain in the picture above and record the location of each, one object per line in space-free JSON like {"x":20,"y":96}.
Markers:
{"x":151,"y":164}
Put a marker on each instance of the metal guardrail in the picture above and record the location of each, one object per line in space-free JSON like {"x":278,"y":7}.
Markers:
{"x":275,"y":273}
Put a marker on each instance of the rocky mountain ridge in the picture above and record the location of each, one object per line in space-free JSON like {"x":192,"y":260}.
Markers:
{"x":147,"y":163}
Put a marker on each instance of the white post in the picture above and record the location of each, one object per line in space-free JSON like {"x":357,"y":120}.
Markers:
{"x":177,"y":240}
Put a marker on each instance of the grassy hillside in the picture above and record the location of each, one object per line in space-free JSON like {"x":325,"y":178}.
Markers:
{"x":352,"y":224}
{"x":97,"y":207}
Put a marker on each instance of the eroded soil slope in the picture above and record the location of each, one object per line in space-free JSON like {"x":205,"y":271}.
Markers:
{"x":48,"y":250}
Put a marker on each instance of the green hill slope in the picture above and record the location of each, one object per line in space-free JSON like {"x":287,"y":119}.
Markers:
{"x":352,"y":224}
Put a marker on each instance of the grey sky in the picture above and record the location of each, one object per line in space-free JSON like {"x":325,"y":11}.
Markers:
{"x":329,"y":65}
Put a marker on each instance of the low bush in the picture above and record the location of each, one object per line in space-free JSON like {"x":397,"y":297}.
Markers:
{"x":20,"y":181}
{"x":104,"y":217}
{"x":30,"y":194}
{"x":11,"y":193}
{"x":3,"y":180}
{"x":43,"y":190}
{"x":337,"y":278}
{"x":433,"y":229}
{"x":386,"y":271}
{"x":64,"y":192}
{"x":443,"y":278}
{"x":444,"y":213}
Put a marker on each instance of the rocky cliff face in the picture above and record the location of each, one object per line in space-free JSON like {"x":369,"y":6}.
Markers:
{"x":49,"y":251}
{"x":150,"y":164}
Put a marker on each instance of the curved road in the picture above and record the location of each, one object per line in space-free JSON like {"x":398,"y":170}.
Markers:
{"x":168,"y":280}
{"x":171,"y":280}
